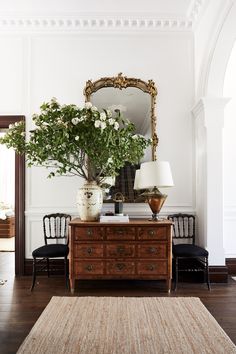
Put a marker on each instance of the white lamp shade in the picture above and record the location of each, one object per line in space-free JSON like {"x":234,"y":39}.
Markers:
{"x":136,"y":179}
{"x":155,"y":174}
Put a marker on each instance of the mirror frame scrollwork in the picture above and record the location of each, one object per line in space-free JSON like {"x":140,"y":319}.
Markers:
{"x":122,"y":82}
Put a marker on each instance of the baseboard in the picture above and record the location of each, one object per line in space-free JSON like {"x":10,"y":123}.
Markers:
{"x":231,"y":264}
{"x":218,"y":274}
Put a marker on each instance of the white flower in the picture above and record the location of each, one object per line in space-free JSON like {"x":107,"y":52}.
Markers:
{"x":11,"y":126}
{"x":111,"y":121}
{"x":103,"y":125}
{"x":97,"y":123}
{"x":77,"y":138}
{"x":110,"y":160}
{"x":88,"y":105}
{"x":109,"y":113}
{"x":75,"y":121}
{"x":22,"y":134}
{"x":103,"y":116}
{"x":136,"y":136}
{"x":116,"y":126}
{"x":94,"y":109}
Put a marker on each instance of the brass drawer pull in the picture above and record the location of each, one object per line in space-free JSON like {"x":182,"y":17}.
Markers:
{"x":89,"y":250}
{"x":120,"y":249}
{"x":89,"y":267}
{"x":151,"y":232}
{"x":151,"y":267}
{"x":120,"y":266}
{"x":152,"y":250}
{"x":89,"y":232}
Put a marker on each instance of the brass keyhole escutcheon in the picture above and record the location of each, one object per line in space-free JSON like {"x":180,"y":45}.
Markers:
{"x":89,"y":250}
{"x":89,"y":268}
{"x":120,"y":231}
{"x":120,"y":266}
{"x":120,"y":249}
{"x":89,"y":232}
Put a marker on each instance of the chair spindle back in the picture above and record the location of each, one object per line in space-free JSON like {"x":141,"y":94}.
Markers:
{"x":56,"y":227}
{"x":183,"y":227}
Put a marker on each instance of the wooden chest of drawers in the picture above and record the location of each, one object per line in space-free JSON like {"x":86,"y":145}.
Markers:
{"x":7,"y":227}
{"x":139,"y":249}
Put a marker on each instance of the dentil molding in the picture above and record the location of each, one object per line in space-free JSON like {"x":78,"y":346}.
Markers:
{"x":94,"y":22}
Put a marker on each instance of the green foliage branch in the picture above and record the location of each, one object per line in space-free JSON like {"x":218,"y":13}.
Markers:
{"x":78,"y":141}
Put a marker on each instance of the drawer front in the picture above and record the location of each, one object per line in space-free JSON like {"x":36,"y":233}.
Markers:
{"x":83,"y":250}
{"x":89,"y":233}
{"x":120,"y":268}
{"x":152,"y":250}
{"x":120,"y":233}
{"x":152,"y":268}
{"x":88,"y":267}
{"x":120,"y":250}
{"x":152,"y":233}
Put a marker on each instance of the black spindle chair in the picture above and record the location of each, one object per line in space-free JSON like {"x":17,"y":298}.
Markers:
{"x":187,"y":256}
{"x":56,"y":231}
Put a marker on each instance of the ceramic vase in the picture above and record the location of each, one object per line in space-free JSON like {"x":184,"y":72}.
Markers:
{"x":89,"y":201}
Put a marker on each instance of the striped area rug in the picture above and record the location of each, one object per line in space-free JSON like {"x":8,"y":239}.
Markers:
{"x":126,"y":325}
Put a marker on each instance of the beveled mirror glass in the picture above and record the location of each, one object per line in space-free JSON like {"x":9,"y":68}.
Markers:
{"x":136,"y":100}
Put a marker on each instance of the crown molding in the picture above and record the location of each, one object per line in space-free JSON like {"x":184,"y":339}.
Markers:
{"x":95,"y":22}
{"x":70,"y":24}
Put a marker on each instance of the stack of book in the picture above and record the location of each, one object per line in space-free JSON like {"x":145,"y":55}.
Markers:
{"x":114,"y":218}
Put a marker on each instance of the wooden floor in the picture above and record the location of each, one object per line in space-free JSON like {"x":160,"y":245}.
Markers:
{"x":20,"y":309}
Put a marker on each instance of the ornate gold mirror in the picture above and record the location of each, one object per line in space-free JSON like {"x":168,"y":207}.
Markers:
{"x":136,"y":100}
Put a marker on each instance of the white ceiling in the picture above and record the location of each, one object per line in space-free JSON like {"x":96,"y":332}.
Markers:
{"x":162,"y":8}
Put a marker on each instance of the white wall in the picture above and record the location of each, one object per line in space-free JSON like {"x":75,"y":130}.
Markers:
{"x":35,"y":67}
{"x":230,"y":159}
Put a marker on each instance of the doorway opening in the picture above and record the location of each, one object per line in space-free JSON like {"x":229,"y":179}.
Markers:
{"x":12,"y":204}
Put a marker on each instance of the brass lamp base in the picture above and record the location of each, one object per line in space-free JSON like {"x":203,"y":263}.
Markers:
{"x":155,"y":200}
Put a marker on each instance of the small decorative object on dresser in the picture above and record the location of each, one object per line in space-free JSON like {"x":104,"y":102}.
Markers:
{"x":118,"y":201}
{"x":114,"y":218}
{"x":138,"y":250}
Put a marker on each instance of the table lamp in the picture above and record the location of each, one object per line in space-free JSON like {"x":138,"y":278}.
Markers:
{"x":151,"y":176}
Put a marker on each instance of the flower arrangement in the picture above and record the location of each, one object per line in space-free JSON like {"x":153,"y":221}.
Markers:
{"x":78,"y":141}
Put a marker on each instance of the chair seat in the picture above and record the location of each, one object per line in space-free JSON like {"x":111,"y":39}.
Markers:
{"x":187,"y":250}
{"x":51,"y":251}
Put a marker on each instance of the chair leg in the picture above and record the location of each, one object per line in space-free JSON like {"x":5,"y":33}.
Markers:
{"x":34,"y":274}
{"x":207,"y":275}
{"x":176,"y":273}
{"x":66,"y":272}
{"x":48,"y":267}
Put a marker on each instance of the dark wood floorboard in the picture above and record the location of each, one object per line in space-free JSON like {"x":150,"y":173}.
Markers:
{"x":20,"y":309}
